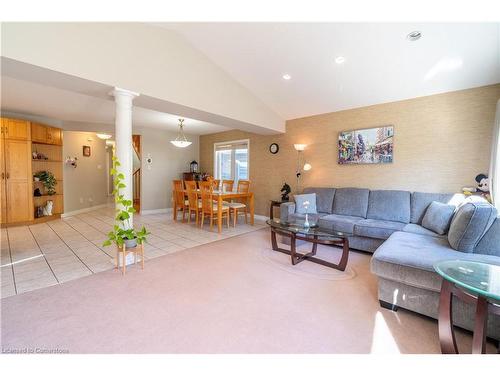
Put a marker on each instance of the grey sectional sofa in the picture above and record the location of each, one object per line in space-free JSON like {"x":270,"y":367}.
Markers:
{"x":388,"y":223}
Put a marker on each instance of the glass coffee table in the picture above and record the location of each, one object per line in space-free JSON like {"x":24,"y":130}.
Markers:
{"x":296,"y":231}
{"x":472,"y":282}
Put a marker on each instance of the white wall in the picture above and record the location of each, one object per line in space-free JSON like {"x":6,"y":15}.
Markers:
{"x":169,"y":162}
{"x":86,"y":185}
{"x":151,"y":60}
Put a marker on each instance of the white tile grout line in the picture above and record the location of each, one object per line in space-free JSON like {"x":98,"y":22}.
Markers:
{"x":11,"y":262}
{"x":97,"y":247}
{"x":41,"y":251}
{"x":69,"y":247}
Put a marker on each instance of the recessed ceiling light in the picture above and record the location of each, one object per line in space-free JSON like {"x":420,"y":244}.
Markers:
{"x":340,"y":59}
{"x":414,"y":35}
{"x":287,"y":76}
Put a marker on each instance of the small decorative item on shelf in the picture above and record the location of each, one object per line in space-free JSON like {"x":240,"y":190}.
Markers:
{"x":38,"y":211}
{"x":48,"y":180}
{"x":38,"y":156}
{"x":47,"y":209}
{"x":285,"y":190}
{"x":37,"y":193}
{"x":71,"y":161}
{"x":306,"y":222}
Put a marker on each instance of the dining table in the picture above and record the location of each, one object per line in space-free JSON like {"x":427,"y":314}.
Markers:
{"x":220,"y":196}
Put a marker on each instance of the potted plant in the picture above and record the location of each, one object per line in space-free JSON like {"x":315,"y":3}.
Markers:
{"x":123,"y":232}
{"x":48,"y":180}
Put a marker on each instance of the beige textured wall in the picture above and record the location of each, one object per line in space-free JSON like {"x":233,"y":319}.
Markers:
{"x":84,"y":186}
{"x":169,"y":162}
{"x":441,"y":142}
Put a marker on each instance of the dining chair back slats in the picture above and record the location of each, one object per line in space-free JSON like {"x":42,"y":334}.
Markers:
{"x":243,"y":186}
{"x":227,"y":185}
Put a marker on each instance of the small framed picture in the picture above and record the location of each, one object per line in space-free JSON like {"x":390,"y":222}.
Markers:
{"x":86,"y":151}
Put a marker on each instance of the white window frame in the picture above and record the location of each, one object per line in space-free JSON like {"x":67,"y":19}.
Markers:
{"x":233,"y":160}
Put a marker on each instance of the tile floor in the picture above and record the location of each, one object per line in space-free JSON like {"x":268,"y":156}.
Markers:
{"x":37,"y":256}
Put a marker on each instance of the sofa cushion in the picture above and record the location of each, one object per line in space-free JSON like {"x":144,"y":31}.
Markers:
{"x":470,"y":223}
{"x":351,"y":202}
{"x":420,"y":202}
{"x":381,"y":229}
{"x":340,"y":223}
{"x":490,"y":243}
{"x":393,"y":205}
{"x":409,"y":258}
{"x":324,"y":198}
{"x":438,"y":217}
{"x":303,"y":198}
{"x":418,"y":229}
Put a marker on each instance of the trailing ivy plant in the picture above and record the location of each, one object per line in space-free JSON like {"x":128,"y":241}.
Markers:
{"x":48,"y":179}
{"x":123,"y":229}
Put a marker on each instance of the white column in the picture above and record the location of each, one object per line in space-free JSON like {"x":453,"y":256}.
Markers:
{"x":123,"y":136}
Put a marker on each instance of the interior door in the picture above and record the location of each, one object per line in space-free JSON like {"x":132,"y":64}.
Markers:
{"x":18,"y":180}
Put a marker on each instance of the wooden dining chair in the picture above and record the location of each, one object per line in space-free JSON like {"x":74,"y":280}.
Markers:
{"x":194,"y":204}
{"x":240,"y":205}
{"x":208,"y":206}
{"x":227,"y":185}
{"x":216,"y":184}
{"x":180,"y":202}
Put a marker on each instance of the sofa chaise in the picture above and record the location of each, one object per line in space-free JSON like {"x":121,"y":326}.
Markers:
{"x":388,"y":223}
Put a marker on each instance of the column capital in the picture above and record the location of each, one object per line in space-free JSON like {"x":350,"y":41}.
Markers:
{"x":119,"y":92}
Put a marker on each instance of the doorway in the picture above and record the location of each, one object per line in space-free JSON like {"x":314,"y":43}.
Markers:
{"x":136,"y":171}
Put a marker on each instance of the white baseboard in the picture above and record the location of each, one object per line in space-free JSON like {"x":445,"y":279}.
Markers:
{"x":261,"y":217}
{"x":84,"y":210}
{"x":157,"y":211}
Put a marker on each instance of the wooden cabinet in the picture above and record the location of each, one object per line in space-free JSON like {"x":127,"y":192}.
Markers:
{"x":38,"y":133}
{"x":46,"y":134}
{"x":54,"y":136}
{"x":19,"y":139}
{"x":3,"y":201}
{"x":17,"y":181}
{"x":16,"y":129}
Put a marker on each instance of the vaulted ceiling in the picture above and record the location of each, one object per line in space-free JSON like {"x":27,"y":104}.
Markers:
{"x":380,"y":63}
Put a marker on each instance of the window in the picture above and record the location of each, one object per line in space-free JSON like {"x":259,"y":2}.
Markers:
{"x":231,"y":160}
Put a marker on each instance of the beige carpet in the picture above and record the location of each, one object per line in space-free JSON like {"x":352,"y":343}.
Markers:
{"x":221,"y":297}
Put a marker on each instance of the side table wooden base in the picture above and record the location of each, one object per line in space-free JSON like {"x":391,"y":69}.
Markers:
{"x":124,"y":251}
{"x":445,"y":321}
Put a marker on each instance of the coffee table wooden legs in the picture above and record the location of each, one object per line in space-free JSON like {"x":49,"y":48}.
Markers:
{"x":445,"y":322}
{"x":297,"y":257}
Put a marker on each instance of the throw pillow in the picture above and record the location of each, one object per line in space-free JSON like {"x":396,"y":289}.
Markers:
{"x":438,"y":217}
{"x":470,"y":223}
{"x":302,"y":206}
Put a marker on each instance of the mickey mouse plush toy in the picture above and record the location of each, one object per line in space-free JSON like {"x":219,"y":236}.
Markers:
{"x":483,"y":187}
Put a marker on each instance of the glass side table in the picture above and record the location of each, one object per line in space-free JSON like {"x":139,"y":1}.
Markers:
{"x":472,"y":282}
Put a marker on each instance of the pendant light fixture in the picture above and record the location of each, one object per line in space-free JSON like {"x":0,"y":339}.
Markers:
{"x":181,"y":140}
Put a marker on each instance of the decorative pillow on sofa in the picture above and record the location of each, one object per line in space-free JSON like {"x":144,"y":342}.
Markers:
{"x":438,"y":217}
{"x":307,"y":208}
{"x":470,"y":223}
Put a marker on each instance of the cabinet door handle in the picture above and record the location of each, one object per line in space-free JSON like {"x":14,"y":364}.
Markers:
{"x":8,"y":176}
{"x":3,"y":175}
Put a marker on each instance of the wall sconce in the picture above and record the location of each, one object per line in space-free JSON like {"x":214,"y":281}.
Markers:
{"x":300,"y":147}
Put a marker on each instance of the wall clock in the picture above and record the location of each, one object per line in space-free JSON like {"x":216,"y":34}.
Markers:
{"x":274,"y":148}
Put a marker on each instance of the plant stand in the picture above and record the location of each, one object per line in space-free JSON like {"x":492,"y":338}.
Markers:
{"x":124,"y":252}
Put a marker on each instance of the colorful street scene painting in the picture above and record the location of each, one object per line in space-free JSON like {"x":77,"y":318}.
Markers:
{"x":366,"y":146}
